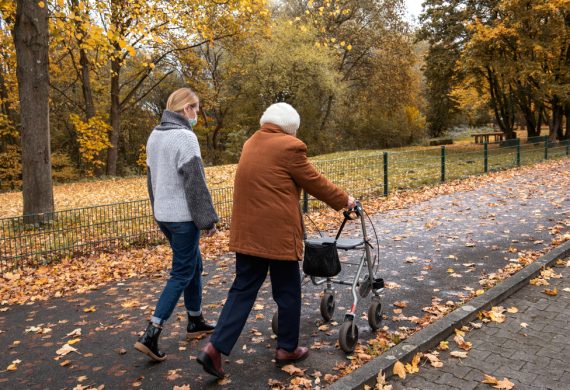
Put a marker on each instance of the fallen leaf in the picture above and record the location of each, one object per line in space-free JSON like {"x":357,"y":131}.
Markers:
{"x":552,"y":293}
{"x":504,"y":384}
{"x":90,"y":309}
{"x":224,"y":381}
{"x":443,"y":345}
{"x":413,"y":367}
{"x":173,"y":375}
{"x":489,"y":380}
{"x":14,"y":365}
{"x":524,"y":325}
{"x":512,"y":310}
{"x":458,"y":354}
{"x":292,"y":370}
{"x":74,"y":333}
{"x":400,"y":370}
{"x":74,"y":341}
{"x":65,"y":350}
{"x":183,"y":387}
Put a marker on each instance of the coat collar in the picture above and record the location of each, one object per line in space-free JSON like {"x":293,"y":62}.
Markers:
{"x":271,"y":128}
{"x":170,"y":118}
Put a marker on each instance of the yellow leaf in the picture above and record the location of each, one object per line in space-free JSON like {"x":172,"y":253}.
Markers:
{"x":400,"y":370}
{"x":74,"y":341}
{"x":490,"y":380}
{"x":41,"y":4}
{"x":550,"y":292}
{"x":292,"y":370}
{"x":504,"y":384}
{"x":89,"y":309}
{"x":443,"y":345}
{"x":14,"y":365}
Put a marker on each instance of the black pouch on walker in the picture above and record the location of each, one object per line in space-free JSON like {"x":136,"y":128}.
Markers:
{"x":321,"y":260}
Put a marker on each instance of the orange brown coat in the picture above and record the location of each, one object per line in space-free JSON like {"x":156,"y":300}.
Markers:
{"x":266,"y":220}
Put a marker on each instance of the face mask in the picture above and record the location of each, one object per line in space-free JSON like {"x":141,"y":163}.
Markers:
{"x":193,"y":121}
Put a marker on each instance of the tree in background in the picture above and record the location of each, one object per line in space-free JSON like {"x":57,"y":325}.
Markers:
{"x":518,"y":51}
{"x":32,"y":70}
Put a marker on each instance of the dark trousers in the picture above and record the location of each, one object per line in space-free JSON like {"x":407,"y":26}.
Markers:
{"x":250,"y":275}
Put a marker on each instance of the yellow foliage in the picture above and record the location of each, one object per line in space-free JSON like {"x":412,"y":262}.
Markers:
{"x":93,"y":138}
{"x":10,"y":168}
{"x":141,"y":161}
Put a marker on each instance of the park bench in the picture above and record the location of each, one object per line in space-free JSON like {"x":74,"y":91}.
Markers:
{"x":481,"y":138}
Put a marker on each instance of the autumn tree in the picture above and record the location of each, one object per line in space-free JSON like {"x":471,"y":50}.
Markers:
{"x":31,"y":43}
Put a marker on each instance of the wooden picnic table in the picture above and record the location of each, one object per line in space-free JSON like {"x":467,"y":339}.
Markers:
{"x":481,"y":138}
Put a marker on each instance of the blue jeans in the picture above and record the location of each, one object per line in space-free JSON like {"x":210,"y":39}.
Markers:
{"x":186,"y":274}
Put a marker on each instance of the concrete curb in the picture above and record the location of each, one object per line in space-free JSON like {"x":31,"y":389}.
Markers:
{"x":429,"y":337}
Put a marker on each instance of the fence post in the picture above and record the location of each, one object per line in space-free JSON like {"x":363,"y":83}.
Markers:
{"x":546,"y":147}
{"x":386,"y":174}
{"x":485,"y":157}
{"x":442,"y":163}
{"x":518,"y":152}
{"x":305,"y":202}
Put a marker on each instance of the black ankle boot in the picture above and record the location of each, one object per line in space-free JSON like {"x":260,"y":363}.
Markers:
{"x":148,"y":343}
{"x":197,"y":327}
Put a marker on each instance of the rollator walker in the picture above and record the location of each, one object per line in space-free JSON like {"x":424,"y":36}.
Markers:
{"x":348,"y":332}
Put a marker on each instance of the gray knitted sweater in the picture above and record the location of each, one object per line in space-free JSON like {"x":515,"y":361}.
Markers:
{"x":176,"y":179}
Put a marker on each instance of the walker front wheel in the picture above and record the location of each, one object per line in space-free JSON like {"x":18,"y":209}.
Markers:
{"x":274,"y":323}
{"x":328,"y":305}
{"x":348,"y":336}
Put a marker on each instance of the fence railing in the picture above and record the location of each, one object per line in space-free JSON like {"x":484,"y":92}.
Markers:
{"x":104,"y":228}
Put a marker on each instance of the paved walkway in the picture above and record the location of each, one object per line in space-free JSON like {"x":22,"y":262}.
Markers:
{"x":472,"y":233}
{"x":531,"y":348}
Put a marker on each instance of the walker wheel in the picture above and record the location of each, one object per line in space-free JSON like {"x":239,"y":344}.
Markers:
{"x":375,"y":315}
{"x":347,"y":338}
{"x":328,"y":305}
{"x":274,"y":323}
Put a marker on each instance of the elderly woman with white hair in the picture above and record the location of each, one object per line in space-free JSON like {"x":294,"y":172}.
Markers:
{"x":267,"y":233}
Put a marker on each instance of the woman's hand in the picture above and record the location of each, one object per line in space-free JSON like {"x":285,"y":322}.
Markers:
{"x":210,"y":232}
{"x":351,"y":203}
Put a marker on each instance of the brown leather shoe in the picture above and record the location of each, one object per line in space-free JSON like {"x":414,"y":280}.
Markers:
{"x":211,"y":361}
{"x":284,"y":357}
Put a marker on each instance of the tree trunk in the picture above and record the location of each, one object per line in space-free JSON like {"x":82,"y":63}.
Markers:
{"x":567,"y":115}
{"x":113,"y":152}
{"x":555,"y":124}
{"x":31,"y":41}
{"x":502,"y":103}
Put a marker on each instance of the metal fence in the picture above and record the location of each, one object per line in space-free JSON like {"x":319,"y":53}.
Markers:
{"x":104,"y":228}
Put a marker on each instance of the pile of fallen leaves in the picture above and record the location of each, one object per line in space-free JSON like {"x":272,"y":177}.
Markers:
{"x":81,"y":274}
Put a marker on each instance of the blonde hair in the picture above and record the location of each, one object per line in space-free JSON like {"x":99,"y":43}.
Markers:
{"x":180,"y":98}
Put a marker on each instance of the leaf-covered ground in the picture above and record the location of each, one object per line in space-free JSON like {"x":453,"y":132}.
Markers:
{"x":437,"y":247}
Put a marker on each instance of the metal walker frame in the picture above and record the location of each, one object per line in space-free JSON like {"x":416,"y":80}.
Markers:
{"x":348,"y":332}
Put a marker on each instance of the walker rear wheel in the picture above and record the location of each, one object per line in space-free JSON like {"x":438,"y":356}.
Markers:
{"x":328,"y":305}
{"x":347,"y":338}
{"x":274,"y":323}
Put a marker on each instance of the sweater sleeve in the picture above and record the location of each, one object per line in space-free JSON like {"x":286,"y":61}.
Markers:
{"x":306,"y":176}
{"x":197,"y":194}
